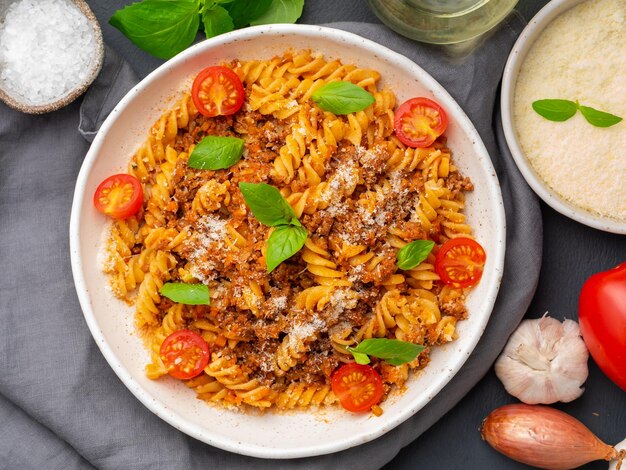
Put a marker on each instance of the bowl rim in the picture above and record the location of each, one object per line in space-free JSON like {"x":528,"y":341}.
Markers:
{"x":13,"y":100}
{"x":514,"y":62}
{"x":167,"y":414}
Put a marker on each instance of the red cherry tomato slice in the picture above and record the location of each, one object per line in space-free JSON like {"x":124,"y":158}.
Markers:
{"x":419,"y":121}
{"x":217,"y":91}
{"x":119,"y":196}
{"x":185,"y":354}
{"x":460,"y":262}
{"x":358,"y":387}
{"x":602,"y":317}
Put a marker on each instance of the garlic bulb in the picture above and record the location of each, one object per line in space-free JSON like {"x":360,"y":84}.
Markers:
{"x":544,"y":361}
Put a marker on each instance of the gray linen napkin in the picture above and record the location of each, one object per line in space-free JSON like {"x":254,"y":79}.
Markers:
{"x":66,"y":407}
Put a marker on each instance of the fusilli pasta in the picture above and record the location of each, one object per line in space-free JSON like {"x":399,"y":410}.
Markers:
{"x":276,"y":338}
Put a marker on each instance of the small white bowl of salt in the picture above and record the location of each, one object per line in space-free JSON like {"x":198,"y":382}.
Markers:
{"x":50,"y":52}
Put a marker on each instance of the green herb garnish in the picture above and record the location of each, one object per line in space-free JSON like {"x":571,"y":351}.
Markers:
{"x":342,"y":98}
{"x":555,"y":110}
{"x":561,"y":110}
{"x":189,"y":294}
{"x":216,"y":153}
{"x":393,"y":351}
{"x":216,"y":21}
{"x":598,"y":118}
{"x":414,"y":253}
{"x":284,"y":242}
{"x":243,"y":12}
{"x":268,"y":205}
{"x":164,"y":28}
{"x":281,"y":11}
{"x":271,"y":209}
{"x":161,"y":27}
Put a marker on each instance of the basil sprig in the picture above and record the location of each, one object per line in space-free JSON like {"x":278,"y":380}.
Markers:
{"x":414,"y":253}
{"x":342,"y":98}
{"x":189,"y":294}
{"x":164,"y":28}
{"x":393,"y":351}
{"x":561,"y":110}
{"x":216,"y":153}
{"x":271,"y":209}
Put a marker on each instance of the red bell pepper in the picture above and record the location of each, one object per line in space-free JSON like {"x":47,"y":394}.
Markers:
{"x":602,"y":318}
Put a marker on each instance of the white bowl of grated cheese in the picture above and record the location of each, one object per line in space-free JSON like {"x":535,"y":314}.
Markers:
{"x":50,"y":52}
{"x":572,"y":50}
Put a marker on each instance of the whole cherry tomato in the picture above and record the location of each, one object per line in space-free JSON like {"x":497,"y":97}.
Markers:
{"x":602,"y":318}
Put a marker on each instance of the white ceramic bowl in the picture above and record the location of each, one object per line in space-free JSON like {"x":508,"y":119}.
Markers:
{"x":511,"y":71}
{"x":296,"y":434}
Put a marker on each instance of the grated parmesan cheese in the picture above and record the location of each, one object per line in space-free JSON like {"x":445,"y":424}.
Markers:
{"x":340,"y":301}
{"x":580,"y":56}
{"x":208,"y":241}
{"x":278,"y":303}
{"x":46,"y":48}
{"x":303,"y":331}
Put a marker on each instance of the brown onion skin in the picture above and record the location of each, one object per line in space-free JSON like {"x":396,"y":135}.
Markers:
{"x":543,"y":437}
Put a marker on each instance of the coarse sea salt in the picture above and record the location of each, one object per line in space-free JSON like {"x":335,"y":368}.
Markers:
{"x":46,"y":49}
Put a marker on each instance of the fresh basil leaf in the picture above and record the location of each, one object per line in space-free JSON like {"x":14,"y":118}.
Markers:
{"x":393,"y":351}
{"x":598,"y":118}
{"x":243,"y":12}
{"x":414,"y":253}
{"x":284,"y":242}
{"x":268,"y":205}
{"x":342,"y":98}
{"x":216,"y":153}
{"x":555,"y":110}
{"x":216,"y":21}
{"x":161,"y":27}
{"x":281,"y":11}
{"x":360,"y":358}
{"x":189,"y":294}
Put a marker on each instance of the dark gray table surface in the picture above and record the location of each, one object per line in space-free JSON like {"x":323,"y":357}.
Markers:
{"x":571,"y":253}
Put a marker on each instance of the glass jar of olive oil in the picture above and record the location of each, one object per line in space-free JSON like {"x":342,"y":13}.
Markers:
{"x":441,"y":21}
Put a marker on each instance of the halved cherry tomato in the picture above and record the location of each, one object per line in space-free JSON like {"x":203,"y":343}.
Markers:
{"x":419,"y":121}
{"x":602,"y":318}
{"x":217,"y":91}
{"x":119,"y":196}
{"x":460,"y":262}
{"x":358,"y":387}
{"x":185,"y":354}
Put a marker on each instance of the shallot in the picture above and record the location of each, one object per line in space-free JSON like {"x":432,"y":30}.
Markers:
{"x":543,"y":437}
